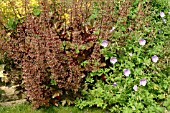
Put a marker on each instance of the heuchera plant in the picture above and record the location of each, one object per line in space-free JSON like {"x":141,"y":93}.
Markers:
{"x":55,"y":55}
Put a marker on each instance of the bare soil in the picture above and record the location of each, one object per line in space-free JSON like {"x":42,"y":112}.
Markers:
{"x":8,"y":96}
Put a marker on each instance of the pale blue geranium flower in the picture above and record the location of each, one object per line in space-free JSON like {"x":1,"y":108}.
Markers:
{"x":135,"y":87}
{"x":126,"y":72}
{"x":154,"y":58}
{"x":154,"y":72}
{"x":114,"y":84}
{"x":162,"y":14}
{"x":113,"y":60}
{"x":164,"y":20}
{"x":143,"y":82}
{"x":142,"y":42}
{"x":113,"y":28}
{"x":159,"y":31}
{"x":104,"y":43}
{"x":130,"y":54}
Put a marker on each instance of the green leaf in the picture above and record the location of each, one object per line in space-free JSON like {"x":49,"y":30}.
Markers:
{"x":84,"y":63}
{"x":36,"y":11}
{"x":53,"y":82}
{"x":127,"y":110}
{"x":97,"y":32}
{"x":161,"y":96}
{"x":89,"y":79}
{"x":11,"y":24}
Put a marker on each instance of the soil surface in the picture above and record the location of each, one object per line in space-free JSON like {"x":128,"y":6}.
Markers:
{"x":15,"y":102}
{"x":8,"y":96}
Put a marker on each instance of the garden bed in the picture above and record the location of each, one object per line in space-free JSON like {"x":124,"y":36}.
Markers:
{"x":108,"y":54}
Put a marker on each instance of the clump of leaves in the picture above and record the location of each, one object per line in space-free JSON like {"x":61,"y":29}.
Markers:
{"x":54,"y":56}
{"x":133,"y":80}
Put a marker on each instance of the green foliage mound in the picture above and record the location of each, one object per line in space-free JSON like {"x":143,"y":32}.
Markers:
{"x":137,"y":78}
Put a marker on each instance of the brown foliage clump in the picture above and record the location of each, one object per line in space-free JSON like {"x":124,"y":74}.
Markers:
{"x":51,"y":53}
